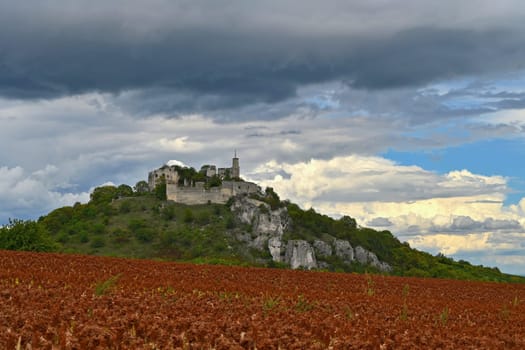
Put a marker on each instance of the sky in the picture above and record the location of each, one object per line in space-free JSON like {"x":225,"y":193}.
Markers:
{"x":408,"y":116}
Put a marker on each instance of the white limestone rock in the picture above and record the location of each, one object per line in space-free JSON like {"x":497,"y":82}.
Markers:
{"x":361,"y":255}
{"x":367,"y":257}
{"x":268,"y":226}
{"x":276,"y":247}
{"x":322,"y":249}
{"x":300,"y":254}
{"x":344,"y":250}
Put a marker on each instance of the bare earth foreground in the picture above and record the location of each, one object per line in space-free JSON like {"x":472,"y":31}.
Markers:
{"x":53,"y":301}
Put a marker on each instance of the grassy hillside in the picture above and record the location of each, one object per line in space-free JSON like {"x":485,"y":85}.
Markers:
{"x":121,"y":222}
{"x":145,"y":227}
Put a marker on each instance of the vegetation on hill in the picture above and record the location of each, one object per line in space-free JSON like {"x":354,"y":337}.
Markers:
{"x":406,"y":261}
{"x":133,"y":222}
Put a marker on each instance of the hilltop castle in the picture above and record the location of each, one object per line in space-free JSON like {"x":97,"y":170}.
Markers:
{"x":209,"y":185}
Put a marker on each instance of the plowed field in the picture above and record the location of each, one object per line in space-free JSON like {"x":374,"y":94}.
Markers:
{"x":52,"y":301}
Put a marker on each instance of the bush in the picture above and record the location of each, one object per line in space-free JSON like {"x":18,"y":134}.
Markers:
{"x":26,"y":235}
{"x":120,"y":236}
{"x":98,"y":242}
{"x":145,"y":234}
{"x":84,"y":238}
{"x":125,"y":207}
{"x":188,"y":216}
{"x":63,"y":237}
{"x":203,"y":218}
{"x":135,"y":224}
{"x":98,"y":228}
{"x":160,"y":190}
{"x":168,"y":212}
{"x":230,"y":223}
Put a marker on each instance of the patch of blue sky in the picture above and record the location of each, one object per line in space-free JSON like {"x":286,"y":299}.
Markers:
{"x":444,"y":87}
{"x":472,"y":93}
{"x":466,"y":102}
{"x":489,"y":158}
{"x":453,"y":129}
{"x":324,"y":101}
{"x":514,"y":82}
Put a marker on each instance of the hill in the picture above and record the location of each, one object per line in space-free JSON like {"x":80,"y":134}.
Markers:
{"x":257,"y":230}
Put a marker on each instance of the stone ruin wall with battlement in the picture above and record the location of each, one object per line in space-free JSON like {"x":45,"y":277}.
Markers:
{"x":198,"y":194}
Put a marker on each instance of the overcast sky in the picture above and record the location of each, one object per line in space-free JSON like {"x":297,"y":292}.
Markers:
{"x":408,"y":116}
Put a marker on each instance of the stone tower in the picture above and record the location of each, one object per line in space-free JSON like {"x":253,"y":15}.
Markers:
{"x":236,"y":170}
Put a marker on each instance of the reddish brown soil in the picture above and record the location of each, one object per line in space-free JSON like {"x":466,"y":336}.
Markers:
{"x":57,"y":301}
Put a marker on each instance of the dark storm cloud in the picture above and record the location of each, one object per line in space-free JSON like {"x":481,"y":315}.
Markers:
{"x":221,"y":60}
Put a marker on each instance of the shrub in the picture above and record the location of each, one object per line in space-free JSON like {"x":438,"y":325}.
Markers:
{"x":160,"y":189}
{"x":125,"y":207}
{"x":98,"y":228}
{"x":188,"y":215}
{"x":63,"y":237}
{"x":84,"y":238}
{"x":120,"y":236}
{"x":145,"y":234}
{"x":106,"y":286}
{"x":203,"y":218}
{"x":168,"y":212}
{"x":26,"y":235}
{"x":98,"y":242}
{"x":230,"y":223}
{"x":135,"y":224}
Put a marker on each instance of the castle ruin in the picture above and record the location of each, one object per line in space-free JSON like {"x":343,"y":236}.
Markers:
{"x":209,"y":185}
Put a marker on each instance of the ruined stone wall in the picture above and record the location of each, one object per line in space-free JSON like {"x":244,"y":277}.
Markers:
{"x":238,"y":187}
{"x":170,"y":174}
{"x":200,"y":195}
{"x":197,"y":195}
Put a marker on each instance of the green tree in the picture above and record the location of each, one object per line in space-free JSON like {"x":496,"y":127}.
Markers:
{"x":160,"y":189}
{"x":141,"y":187}
{"x":55,"y":220}
{"x":103,"y":194}
{"x":214,"y":181}
{"x":348,"y":222}
{"x":124,"y":191}
{"x":26,"y":235}
{"x":272,"y":198}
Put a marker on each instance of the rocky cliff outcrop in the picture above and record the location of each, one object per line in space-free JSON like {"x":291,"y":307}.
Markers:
{"x":344,"y":250}
{"x":266,"y":230}
{"x":322,"y":249}
{"x":300,"y":254}
{"x":366,"y":257}
{"x":267,"y":226}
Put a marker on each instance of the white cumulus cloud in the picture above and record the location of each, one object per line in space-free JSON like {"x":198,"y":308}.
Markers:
{"x":458,"y":213}
{"x":28,"y":195}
